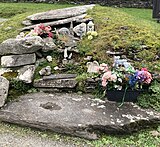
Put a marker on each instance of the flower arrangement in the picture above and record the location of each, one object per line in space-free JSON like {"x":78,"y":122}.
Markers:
{"x":119,"y":78}
{"x":123,"y":79}
{"x":43,"y":31}
{"x":39,"y":30}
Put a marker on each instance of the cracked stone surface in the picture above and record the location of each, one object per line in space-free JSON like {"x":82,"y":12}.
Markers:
{"x":77,"y":115}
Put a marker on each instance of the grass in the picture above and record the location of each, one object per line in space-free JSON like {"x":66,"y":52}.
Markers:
{"x":119,"y":29}
{"x":8,"y":10}
{"x":144,"y":138}
{"x":125,"y":32}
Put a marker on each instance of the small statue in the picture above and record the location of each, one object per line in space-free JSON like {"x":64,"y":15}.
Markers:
{"x":90,"y":26}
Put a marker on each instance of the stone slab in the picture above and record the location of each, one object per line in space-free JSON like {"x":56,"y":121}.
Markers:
{"x":59,"y":76}
{"x":61,"y":13}
{"x":18,"y":60}
{"x":4,"y":86}
{"x":21,"y":46}
{"x":56,"y":83}
{"x":26,"y":73}
{"x":77,"y":115}
{"x":58,"y":22}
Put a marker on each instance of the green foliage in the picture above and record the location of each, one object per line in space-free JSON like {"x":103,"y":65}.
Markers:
{"x":151,"y":99}
{"x":45,"y":63}
{"x":17,"y":88}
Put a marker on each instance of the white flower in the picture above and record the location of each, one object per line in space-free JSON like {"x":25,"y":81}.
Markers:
{"x":56,"y":68}
{"x":49,"y":58}
{"x":120,"y":80}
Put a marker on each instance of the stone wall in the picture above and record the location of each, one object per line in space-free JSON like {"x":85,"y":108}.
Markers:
{"x":119,"y":3}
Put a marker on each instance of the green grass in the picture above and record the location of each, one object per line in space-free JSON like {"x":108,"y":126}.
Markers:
{"x":142,"y":139}
{"x":142,"y":15}
{"x":8,"y":10}
{"x":121,"y":30}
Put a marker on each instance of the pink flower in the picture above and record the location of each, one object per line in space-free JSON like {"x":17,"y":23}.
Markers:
{"x":48,"y":29}
{"x":104,"y":83}
{"x":50,"y":34}
{"x":113,"y":78}
{"x":148,"y":77}
{"x":41,"y":26}
{"x":106,"y":75}
{"x":144,"y":69}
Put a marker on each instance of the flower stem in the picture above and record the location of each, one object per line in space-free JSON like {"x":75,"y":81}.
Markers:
{"x":123,"y":97}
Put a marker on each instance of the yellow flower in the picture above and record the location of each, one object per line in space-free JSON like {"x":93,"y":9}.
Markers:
{"x":94,"y":33}
{"x":89,"y":33}
{"x":90,"y":37}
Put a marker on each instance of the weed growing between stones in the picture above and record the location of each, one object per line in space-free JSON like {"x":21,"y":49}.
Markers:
{"x":18,"y":88}
{"x":151,"y":99}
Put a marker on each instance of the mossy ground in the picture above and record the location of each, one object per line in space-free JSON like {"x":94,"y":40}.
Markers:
{"x":119,"y":29}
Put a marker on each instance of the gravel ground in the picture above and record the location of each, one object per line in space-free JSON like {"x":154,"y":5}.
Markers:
{"x":13,"y":136}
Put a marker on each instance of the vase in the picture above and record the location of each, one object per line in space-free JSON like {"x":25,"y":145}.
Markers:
{"x":117,"y":95}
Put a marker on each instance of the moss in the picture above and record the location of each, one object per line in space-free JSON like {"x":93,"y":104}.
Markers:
{"x":44,"y":64}
{"x":152,"y":98}
{"x":10,"y":75}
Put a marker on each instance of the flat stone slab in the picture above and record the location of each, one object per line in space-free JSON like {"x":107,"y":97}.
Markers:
{"x":59,"y":76}
{"x":61,"y":13}
{"x":78,"y":115}
{"x":18,"y":60}
{"x":56,"y":83}
{"x":58,"y":22}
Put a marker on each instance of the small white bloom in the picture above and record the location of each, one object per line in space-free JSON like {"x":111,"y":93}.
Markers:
{"x":56,"y":68}
{"x":49,"y":58}
{"x":119,"y":88}
{"x":120,"y":80}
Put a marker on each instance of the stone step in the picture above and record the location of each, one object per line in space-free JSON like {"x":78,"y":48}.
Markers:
{"x":77,"y":115}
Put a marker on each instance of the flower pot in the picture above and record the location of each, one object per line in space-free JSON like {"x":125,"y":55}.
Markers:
{"x":117,"y":95}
